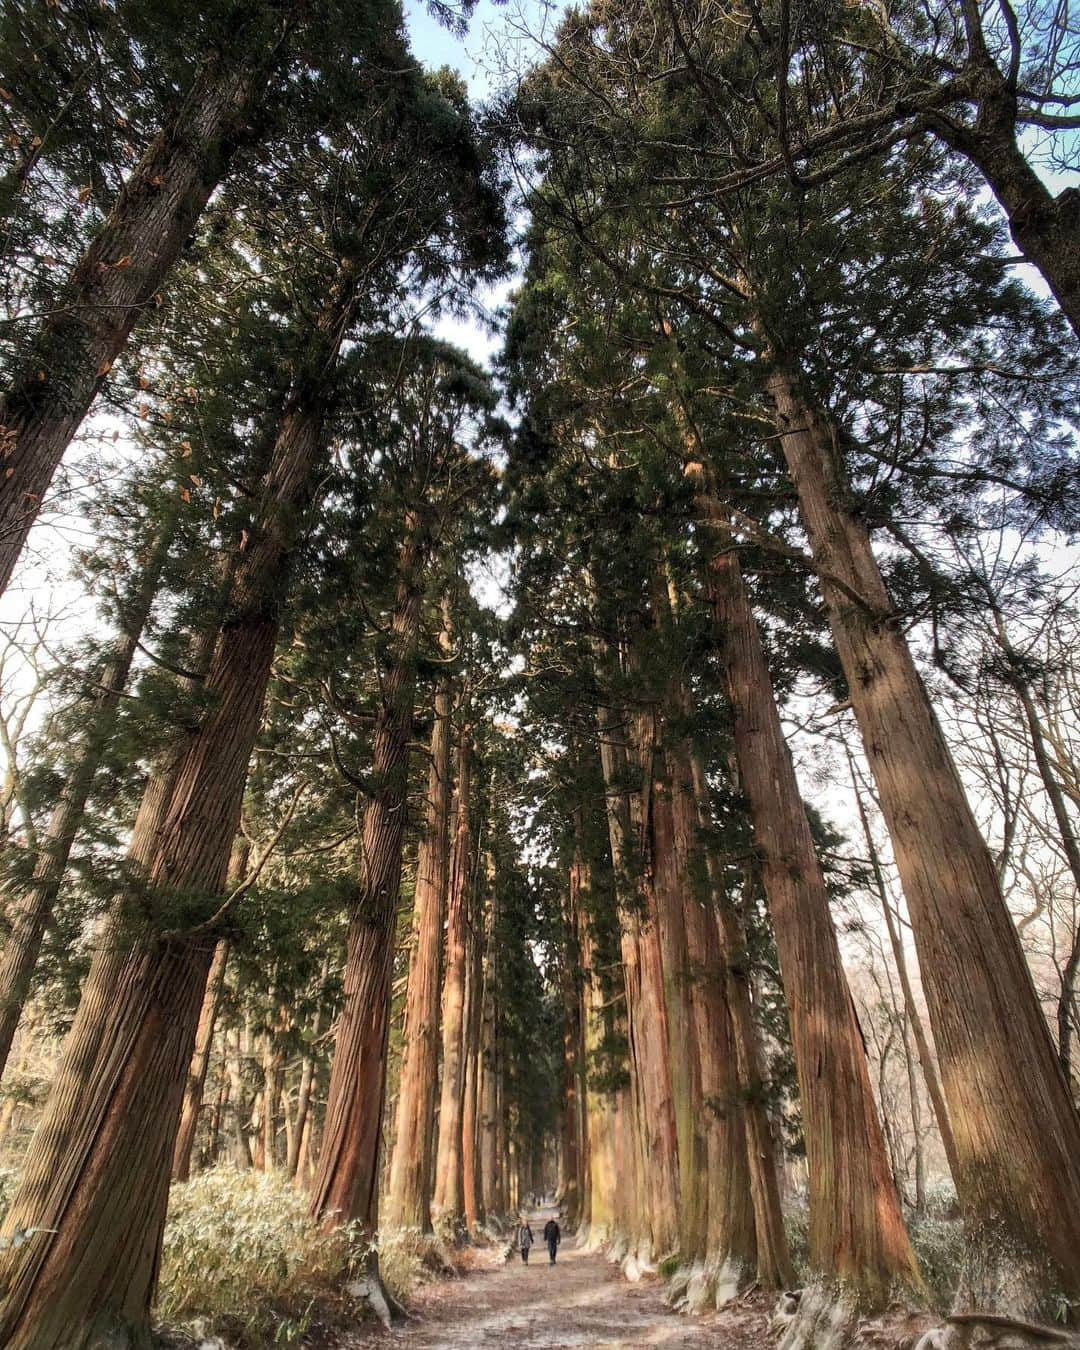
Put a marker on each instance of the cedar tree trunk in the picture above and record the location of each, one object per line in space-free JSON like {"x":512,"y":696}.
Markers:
{"x":857,"y":1233}
{"x":408,"y":1199}
{"x":1015,"y":1127}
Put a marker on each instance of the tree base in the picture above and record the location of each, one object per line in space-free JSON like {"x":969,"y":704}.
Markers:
{"x":990,"y":1331}
{"x":816,"y":1318}
{"x":706,"y":1285}
{"x":1001,"y":1277}
{"x":384,"y":1305}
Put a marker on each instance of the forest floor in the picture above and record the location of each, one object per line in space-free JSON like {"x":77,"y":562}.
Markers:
{"x":581,"y":1302}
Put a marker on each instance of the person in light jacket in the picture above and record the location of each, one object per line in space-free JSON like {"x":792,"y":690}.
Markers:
{"x":524,"y":1240}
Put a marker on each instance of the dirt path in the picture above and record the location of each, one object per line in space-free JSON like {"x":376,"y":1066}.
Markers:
{"x":581,"y":1302}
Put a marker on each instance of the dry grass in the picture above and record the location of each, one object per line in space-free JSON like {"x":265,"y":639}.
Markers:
{"x":243,"y":1262}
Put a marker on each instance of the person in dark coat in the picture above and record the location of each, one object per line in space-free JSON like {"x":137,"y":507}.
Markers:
{"x":552,"y":1237}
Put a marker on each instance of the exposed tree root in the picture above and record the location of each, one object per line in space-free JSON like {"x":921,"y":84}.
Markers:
{"x":385,"y":1306}
{"x":992,"y":1331}
{"x":705,"y":1285}
{"x":820,"y":1319}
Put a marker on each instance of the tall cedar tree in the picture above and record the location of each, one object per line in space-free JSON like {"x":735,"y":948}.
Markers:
{"x":113,"y":1114}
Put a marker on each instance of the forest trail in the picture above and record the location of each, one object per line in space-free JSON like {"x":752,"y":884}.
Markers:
{"x":581,"y":1302}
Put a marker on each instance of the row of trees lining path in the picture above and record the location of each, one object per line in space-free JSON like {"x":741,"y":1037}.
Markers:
{"x":316,"y":847}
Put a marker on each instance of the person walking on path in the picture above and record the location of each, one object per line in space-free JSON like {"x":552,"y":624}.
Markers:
{"x":552,"y":1237}
{"x":525,"y":1240}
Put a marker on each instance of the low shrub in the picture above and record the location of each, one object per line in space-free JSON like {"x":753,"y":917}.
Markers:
{"x":241,"y":1260}
{"x":405,"y":1260}
{"x":939,"y":1246}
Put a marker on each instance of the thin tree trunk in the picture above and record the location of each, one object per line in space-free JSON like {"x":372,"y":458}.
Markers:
{"x":34,"y":908}
{"x":449,"y":1199}
{"x":114,"y":283}
{"x":273,"y":1083}
{"x":1069,"y":843}
{"x":346,"y":1182}
{"x":489,"y":1087}
{"x":408,"y":1199}
{"x":1016,"y":1129}
{"x":204,"y":1034}
{"x":213,"y":1145}
{"x":200,"y":1061}
{"x":241,"y":1153}
{"x":916,"y":1120}
{"x":926,"y":1058}
{"x":857,"y":1233}
{"x":600,"y":1109}
{"x":98,"y":1168}
{"x":569,"y":966}
{"x":505,"y":1203}
{"x":470,"y":1119}
{"x":303,"y":1096}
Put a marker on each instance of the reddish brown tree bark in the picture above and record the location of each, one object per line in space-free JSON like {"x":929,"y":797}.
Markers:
{"x":773,"y":1259}
{"x":98,"y":1168}
{"x":408,"y":1199}
{"x":730,"y":1233}
{"x":570,"y":1153}
{"x":857,"y":1233}
{"x":470,"y":1119}
{"x":449,"y":1199}
{"x":653,"y":1114}
{"x":490,"y":1162}
{"x":346,"y":1182}
{"x":1015,"y":1127}
{"x":115,"y":281}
